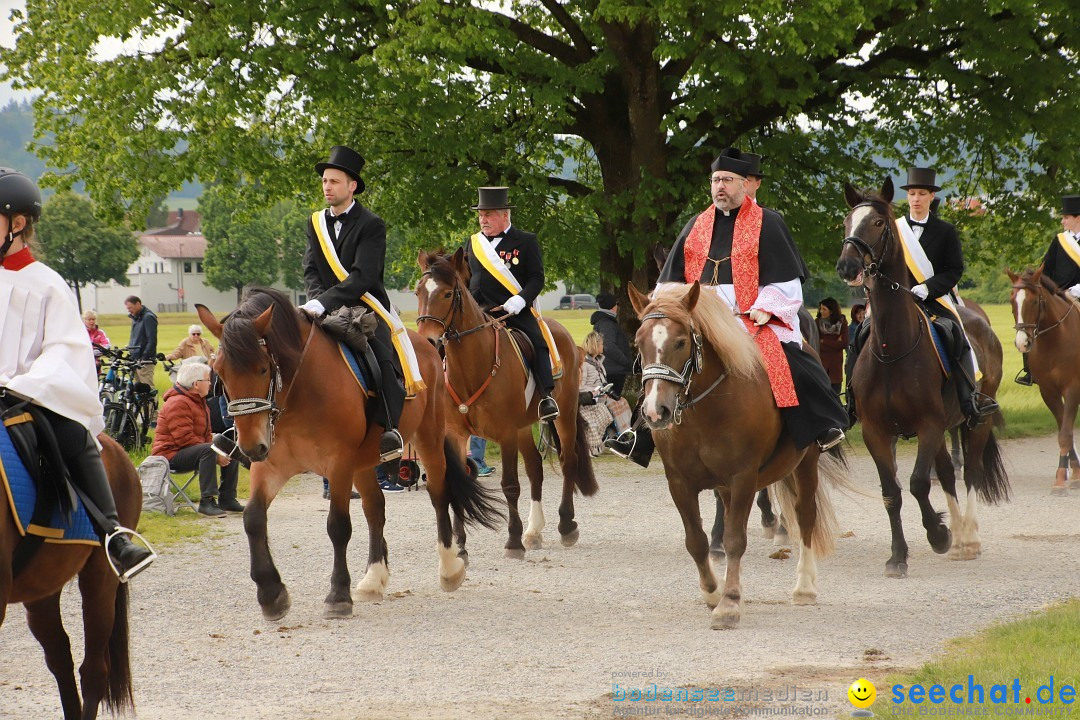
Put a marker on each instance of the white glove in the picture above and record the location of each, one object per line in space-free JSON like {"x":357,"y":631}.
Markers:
{"x":760,"y":317}
{"x":514,"y":305}
{"x":920,"y":292}
{"x":313,"y":307}
{"x":1074,"y":291}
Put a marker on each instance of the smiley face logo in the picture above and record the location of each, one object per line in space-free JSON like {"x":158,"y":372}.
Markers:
{"x":862,"y":693}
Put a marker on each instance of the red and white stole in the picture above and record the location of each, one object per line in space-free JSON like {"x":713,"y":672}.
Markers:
{"x":744,"y":274}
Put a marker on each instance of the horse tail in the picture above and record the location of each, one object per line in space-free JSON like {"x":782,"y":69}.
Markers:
{"x":584,"y":478}
{"x":119,"y":698}
{"x":832,"y":471}
{"x":992,"y":484}
{"x":469,"y":499}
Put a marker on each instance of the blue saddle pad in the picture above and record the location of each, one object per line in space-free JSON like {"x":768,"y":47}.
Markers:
{"x":939,"y":345}
{"x":355,"y":366}
{"x":22,"y":495}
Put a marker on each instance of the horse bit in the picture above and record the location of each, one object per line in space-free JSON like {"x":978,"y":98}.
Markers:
{"x":1034,"y":327}
{"x":666,"y":373}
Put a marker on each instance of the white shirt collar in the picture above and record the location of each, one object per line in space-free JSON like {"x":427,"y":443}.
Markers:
{"x":351,"y":206}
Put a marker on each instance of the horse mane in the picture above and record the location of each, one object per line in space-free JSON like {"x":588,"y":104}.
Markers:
{"x":240,"y":342}
{"x":737,"y":350}
{"x":442,"y":269}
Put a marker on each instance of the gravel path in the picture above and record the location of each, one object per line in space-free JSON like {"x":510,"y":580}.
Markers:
{"x":547,"y":637}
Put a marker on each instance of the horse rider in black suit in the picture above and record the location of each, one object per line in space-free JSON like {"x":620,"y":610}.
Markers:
{"x":1062,"y":261}
{"x":358,"y":238}
{"x":941,"y":245}
{"x":516,"y":253}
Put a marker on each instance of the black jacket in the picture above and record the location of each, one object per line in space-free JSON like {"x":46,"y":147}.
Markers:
{"x":618,"y":358}
{"x":144,"y":335}
{"x":1059,"y":267}
{"x":516,"y":245}
{"x":942,"y":247}
{"x":362,"y":251}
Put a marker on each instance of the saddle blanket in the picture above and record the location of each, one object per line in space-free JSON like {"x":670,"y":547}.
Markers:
{"x":530,"y":382}
{"x":939,"y":343}
{"x":355,"y":365}
{"x":22,"y":496}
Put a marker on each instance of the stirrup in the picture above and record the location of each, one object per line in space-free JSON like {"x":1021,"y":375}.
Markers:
{"x":627,"y":436}
{"x":550,"y":415}
{"x":139,"y":567}
{"x":224,"y":444}
{"x":1024,"y":378}
{"x":391,"y":454}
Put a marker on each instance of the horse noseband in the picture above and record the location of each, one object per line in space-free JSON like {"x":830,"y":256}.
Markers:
{"x":666,"y":373}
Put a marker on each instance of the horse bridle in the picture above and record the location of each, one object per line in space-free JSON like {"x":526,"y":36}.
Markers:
{"x":692,"y":366}
{"x":457,"y":305}
{"x":864,"y":249}
{"x":1033,"y":328}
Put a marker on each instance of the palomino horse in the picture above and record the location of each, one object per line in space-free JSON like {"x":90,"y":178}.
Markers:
{"x":483,"y":369}
{"x":106,"y":667}
{"x":901,"y":389}
{"x":1045,"y":314}
{"x":716,"y":425}
{"x":297,"y":407}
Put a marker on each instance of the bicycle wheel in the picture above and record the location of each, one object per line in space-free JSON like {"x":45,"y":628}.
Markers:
{"x":121,"y":426}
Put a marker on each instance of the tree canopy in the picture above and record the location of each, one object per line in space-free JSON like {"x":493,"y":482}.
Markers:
{"x":602,"y":115}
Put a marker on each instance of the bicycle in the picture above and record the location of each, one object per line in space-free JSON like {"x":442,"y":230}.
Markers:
{"x":129,"y":408}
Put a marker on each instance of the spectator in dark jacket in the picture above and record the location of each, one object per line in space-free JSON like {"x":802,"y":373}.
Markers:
{"x":143,"y":338}
{"x":618,"y":357}
{"x":833,"y":330}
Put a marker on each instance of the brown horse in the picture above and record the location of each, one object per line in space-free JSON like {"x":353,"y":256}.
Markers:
{"x":896,"y":382}
{"x":1045,"y":314}
{"x":297,"y":407}
{"x":716,"y":425}
{"x":106,"y":667}
{"x":483,"y":368}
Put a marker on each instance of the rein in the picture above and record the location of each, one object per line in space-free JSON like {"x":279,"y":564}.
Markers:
{"x":1034,"y":328}
{"x":693,"y":366}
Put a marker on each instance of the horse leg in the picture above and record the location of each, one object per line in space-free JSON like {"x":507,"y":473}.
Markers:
{"x":43,"y":617}
{"x":1074,"y":483}
{"x":946,"y":473}
{"x":339,"y":602}
{"x":462,"y":443}
{"x":957,"y":451}
{"x":697,"y":543}
{"x":881,"y":449}
{"x":806,"y":514}
{"x":511,"y":489}
{"x":1054,"y":400}
{"x":769,"y":524}
{"x":534,"y":469}
{"x":101,"y":667}
{"x":575,"y":462}
{"x":937,"y":533}
{"x":1065,"y":441}
{"x":272,"y":594}
{"x":726,"y":614}
{"x":716,"y":539}
{"x":433,"y":453}
{"x":373,"y":585}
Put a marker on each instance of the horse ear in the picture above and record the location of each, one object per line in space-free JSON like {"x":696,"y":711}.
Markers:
{"x":262,"y":323}
{"x":851,"y":195}
{"x":692,"y":295}
{"x":637,"y":301}
{"x":887,"y":189}
{"x":1012,"y":276}
{"x":422,"y":260}
{"x":1037,"y":275}
{"x":207,"y":318}
{"x":459,"y":260}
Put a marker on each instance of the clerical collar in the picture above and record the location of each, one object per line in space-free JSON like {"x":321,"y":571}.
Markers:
{"x":347,"y":210}
{"x":18,"y":260}
{"x":728,"y":213}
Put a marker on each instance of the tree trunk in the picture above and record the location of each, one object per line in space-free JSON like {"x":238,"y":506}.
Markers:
{"x":239,"y":294}
{"x":78,"y":297}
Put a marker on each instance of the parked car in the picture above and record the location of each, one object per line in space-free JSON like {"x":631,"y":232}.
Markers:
{"x":577,"y":302}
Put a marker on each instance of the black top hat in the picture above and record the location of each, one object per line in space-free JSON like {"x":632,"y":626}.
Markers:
{"x":348,"y":161}
{"x":1070,"y":205}
{"x":493,"y":198}
{"x":732,"y":160}
{"x":755,"y":164}
{"x":921,"y":178}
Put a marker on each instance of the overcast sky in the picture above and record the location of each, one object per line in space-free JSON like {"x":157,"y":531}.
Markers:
{"x":7,"y":39}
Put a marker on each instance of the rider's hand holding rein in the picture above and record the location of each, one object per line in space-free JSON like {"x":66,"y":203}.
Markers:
{"x":760,"y":317}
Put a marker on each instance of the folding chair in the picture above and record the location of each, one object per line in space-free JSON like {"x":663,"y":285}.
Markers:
{"x":180,"y":492}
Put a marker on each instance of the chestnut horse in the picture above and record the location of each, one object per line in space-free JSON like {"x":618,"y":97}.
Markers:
{"x":901,"y":390}
{"x":297,"y":407}
{"x":106,"y":667}
{"x":1045,"y":314}
{"x":710,"y":405}
{"x":483,"y":368}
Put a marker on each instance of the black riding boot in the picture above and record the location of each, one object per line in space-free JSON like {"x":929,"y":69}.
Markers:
{"x":637,"y":445}
{"x":974,"y":405}
{"x":1024,"y":376}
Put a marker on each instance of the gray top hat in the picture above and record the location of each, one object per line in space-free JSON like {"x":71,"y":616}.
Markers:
{"x":1070,"y":205}
{"x":348,"y":161}
{"x":493,"y":198}
{"x":921,"y":178}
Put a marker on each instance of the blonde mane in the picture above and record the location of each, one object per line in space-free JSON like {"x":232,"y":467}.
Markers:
{"x":713,"y":319}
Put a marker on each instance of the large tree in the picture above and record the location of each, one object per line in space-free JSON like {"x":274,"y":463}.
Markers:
{"x":82,"y":248}
{"x":602,"y":114}
{"x":242,"y":246}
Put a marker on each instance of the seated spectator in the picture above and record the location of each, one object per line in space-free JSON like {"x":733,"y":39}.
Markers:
{"x":192,"y":346}
{"x":618,"y":357}
{"x":183,"y":437}
{"x":97,"y":335}
{"x":598,"y":408}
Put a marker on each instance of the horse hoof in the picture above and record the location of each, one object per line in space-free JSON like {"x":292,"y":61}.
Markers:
{"x":768,"y":531}
{"x":725,"y":620}
{"x":367,"y":595}
{"x":570,"y":539}
{"x":533,"y":542}
{"x":340,"y":609}
{"x":279,"y":608}
{"x":514,"y":553}
{"x":453,"y":581}
{"x":712,"y":599}
{"x":970,"y":551}
{"x":940,"y":542}
{"x":896,"y":570}
{"x":804,"y":597}
{"x":781,"y":537}
{"x":1074,"y":485}
{"x":1058,"y":491}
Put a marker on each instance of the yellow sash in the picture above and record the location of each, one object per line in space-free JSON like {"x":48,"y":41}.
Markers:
{"x":482,"y":251}
{"x":1070,"y":247}
{"x":414,"y":383}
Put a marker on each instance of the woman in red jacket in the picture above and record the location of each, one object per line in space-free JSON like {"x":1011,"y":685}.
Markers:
{"x":833,"y":328}
{"x":183,"y":437}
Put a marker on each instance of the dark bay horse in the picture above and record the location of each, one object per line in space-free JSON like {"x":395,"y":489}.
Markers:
{"x":106,"y":667}
{"x":489,"y":380}
{"x":901,"y":389}
{"x":1048,"y":332}
{"x":716,"y":425}
{"x":297,"y":407}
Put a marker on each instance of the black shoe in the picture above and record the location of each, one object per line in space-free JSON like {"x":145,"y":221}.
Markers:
{"x":391,"y":446}
{"x":622,"y":445}
{"x":209,"y":508}
{"x":1024,"y":378}
{"x":224,"y":444}
{"x":230,"y":505}
{"x":549,"y":409}
{"x":830,"y":439}
{"x":128,"y":558}
{"x":977,"y":410}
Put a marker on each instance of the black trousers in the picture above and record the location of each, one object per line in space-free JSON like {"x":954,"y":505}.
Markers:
{"x":203,"y":457}
{"x":388,"y":412}
{"x":527,"y":323}
{"x":819,"y":408}
{"x":83,"y":460}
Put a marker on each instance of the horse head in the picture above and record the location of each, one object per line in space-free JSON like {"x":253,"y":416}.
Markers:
{"x":869,"y":236}
{"x":1028,"y":305}
{"x":441,"y":292}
